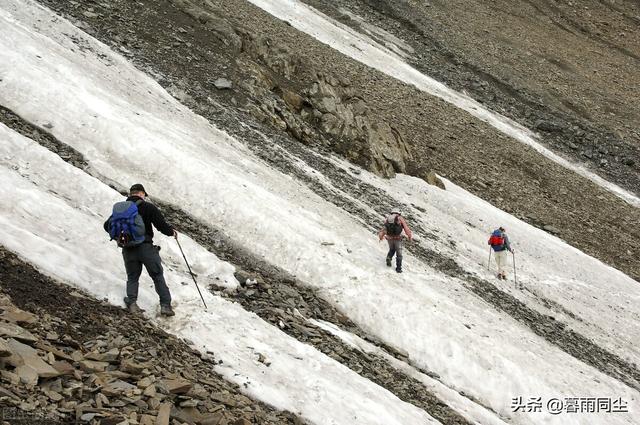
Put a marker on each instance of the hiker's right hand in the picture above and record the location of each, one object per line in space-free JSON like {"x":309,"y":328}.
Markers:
{"x":175,"y":234}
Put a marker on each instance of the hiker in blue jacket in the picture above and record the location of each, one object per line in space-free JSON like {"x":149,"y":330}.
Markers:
{"x":499,"y":242}
{"x":131,"y":225}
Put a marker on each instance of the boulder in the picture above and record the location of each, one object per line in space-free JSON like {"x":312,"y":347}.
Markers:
{"x":188,"y":415}
{"x":27,"y":375}
{"x":164,"y":414}
{"x":63,"y":367}
{"x":433,"y":179}
{"x":15,"y":315}
{"x":294,"y":100}
{"x":223,"y":84}
{"x":93,"y":366}
{"x":177,"y":386}
{"x":11,"y":330}
{"x":110,"y":356}
{"x":117,"y":387}
{"x":23,"y":355}
{"x":132,"y":367}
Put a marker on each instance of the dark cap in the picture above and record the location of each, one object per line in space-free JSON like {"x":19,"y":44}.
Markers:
{"x":138,"y":188}
{"x":499,"y":228}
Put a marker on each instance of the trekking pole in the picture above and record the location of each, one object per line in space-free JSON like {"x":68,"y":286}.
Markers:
{"x":489,"y":262}
{"x":191,"y":273}
{"x":515,"y":276}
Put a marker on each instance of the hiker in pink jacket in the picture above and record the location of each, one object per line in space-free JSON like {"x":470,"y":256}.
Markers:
{"x":394,"y":226}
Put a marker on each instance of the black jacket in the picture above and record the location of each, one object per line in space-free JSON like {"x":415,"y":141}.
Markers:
{"x":150,"y":215}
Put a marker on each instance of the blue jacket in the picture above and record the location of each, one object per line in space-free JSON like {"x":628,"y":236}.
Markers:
{"x":506,"y":245}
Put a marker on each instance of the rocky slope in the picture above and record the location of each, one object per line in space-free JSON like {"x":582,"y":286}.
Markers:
{"x":253,"y":76}
{"x":67,"y":358}
{"x":281,"y":80}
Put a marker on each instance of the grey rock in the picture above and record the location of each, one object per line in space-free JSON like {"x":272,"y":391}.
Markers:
{"x":548,"y":126}
{"x":223,"y":84}
{"x":11,"y":330}
{"x":27,"y":375}
{"x":22,"y":354}
{"x":551,"y":229}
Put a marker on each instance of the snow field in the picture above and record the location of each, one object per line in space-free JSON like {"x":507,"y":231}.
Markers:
{"x":129,"y":129}
{"x":57,"y":220}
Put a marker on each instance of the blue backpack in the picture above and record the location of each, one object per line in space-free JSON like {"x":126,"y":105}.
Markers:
{"x":125,"y":225}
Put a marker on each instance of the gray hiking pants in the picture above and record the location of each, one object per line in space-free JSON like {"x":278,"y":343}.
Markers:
{"x":395,"y":247}
{"x":148,"y":255}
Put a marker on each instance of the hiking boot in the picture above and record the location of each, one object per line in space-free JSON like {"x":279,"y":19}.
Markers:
{"x":132,"y":306}
{"x":134,"y":309}
{"x":166,"y":310}
{"x":388,"y":262}
{"x":398,"y":270}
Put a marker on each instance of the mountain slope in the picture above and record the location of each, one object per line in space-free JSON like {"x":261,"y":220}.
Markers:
{"x":476,"y":352}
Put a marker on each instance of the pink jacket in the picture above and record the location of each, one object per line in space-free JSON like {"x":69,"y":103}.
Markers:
{"x":383,"y":232}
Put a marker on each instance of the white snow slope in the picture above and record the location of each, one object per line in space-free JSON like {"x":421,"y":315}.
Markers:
{"x":131,"y":130}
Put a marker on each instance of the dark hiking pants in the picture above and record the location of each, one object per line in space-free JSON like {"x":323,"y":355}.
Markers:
{"x":395,"y":248}
{"x":148,"y":255}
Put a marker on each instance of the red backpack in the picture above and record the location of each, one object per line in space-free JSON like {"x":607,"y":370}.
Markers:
{"x":496,"y":240}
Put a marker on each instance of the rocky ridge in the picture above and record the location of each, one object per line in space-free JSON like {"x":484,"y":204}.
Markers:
{"x":209,"y":41}
{"x":120,"y":370}
{"x":66,"y":358}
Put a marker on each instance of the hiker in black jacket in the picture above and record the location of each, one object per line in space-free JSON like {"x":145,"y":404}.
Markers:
{"x":145,"y":253}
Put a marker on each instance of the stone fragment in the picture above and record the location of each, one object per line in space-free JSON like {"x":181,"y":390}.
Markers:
{"x":164,"y":414}
{"x":22,"y":354}
{"x":116,"y":420}
{"x":93,"y":366}
{"x":117,"y":387}
{"x":150,"y":391}
{"x":433,"y":179}
{"x":145,"y":382}
{"x":45,"y":346}
{"x":14,"y":314}
{"x":4,"y":348}
{"x":177,"y":386}
{"x":551,"y":229}
{"x":147,"y":420}
{"x":213,"y":419}
{"x":11,"y":330}
{"x":223,"y":84}
{"x":6,"y":393}
{"x":110,"y":356}
{"x":27,"y":375}
{"x":63,"y":367}
{"x":53,"y":395}
{"x":132,"y":367}
{"x":10,"y":377}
